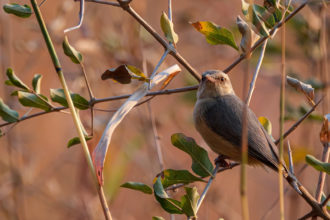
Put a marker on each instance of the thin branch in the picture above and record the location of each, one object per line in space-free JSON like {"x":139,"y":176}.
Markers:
{"x":256,"y":72}
{"x":104,"y":2}
{"x":81,"y":17}
{"x":221,"y":169}
{"x":322,"y":176}
{"x":109,"y":99}
{"x":90,"y":92}
{"x":325,"y":201}
{"x":290,"y":159}
{"x":156,"y":138}
{"x":160,"y":40}
{"x":170,"y":10}
{"x":295,"y":125}
{"x":201,"y":198}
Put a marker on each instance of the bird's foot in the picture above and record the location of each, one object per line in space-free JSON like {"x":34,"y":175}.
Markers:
{"x":221,"y":160}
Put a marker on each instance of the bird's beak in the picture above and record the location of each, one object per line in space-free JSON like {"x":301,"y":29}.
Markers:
{"x":210,"y":78}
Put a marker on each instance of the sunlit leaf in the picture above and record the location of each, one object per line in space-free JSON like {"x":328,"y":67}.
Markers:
{"x":325,"y":131}
{"x":136,"y":73}
{"x":170,"y":205}
{"x":201,"y":163}
{"x":14,"y":80}
{"x":31,"y":100}
{"x":168,"y":29}
{"x":189,"y":201}
{"x":71,"y":52}
{"x":6,"y":113}
{"x":157,"y":218}
{"x":306,"y":89}
{"x":36,"y":82}
{"x":215,"y":34}
{"x":57,"y":95}
{"x":317,"y":164}
{"x":266,"y":124}
{"x":76,"y":140}
{"x":137,"y":186}
{"x":171,"y":177}
{"x":23,"y":11}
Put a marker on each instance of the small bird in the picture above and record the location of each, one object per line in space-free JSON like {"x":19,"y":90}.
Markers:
{"x":218,"y":118}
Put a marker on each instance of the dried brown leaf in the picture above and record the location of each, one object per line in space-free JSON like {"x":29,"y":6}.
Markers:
{"x":119,"y":74}
{"x":249,"y":37}
{"x":325,"y":131}
{"x":306,"y":89}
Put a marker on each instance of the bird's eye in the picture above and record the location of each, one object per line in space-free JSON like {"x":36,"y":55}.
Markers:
{"x":222,"y":79}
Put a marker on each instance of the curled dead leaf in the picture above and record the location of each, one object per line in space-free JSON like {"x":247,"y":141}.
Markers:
{"x":124,"y":74}
{"x":249,"y":37}
{"x":306,"y":89}
{"x":325,"y":131}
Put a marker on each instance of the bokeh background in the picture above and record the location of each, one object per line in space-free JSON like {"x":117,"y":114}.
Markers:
{"x":40,"y":178}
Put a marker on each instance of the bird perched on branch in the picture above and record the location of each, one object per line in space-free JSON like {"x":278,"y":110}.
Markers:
{"x":218,"y":118}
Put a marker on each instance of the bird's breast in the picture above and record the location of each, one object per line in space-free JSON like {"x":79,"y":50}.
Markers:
{"x":217,"y":143}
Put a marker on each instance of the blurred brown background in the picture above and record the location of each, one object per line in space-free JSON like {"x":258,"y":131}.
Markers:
{"x":41,"y":179}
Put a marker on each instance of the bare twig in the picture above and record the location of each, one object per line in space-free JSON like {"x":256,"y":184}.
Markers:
{"x":104,"y":2}
{"x":201,"y":198}
{"x":81,"y":17}
{"x":290,"y":159}
{"x":256,"y":72}
{"x":322,"y":176}
{"x":295,"y":125}
{"x":156,"y":137}
{"x":160,"y":40}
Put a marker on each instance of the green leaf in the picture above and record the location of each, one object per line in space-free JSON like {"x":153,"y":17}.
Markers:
{"x":76,"y":140}
{"x":317,"y":164}
{"x":170,"y":205}
{"x":168,"y":29}
{"x":31,"y":100}
{"x":1,"y":134}
{"x":23,"y":11}
{"x":14,"y":80}
{"x":215,"y":34}
{"x":6,"y":113}
{"x":258,"y":23}
{"x":189,"y":201}
{"x":36,"y":82}
{"x":71,"y":52}
{"x":264,"y":15}
{"x":259,"y":14}
{"x":157,"y":218}
{"x":171,"y":177}
{"x":266,"y":124}
{"x":137,"y":186}
{"x":201,"y":163}
{"x":58,"y":96}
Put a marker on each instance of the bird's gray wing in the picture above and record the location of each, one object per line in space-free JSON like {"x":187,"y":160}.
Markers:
{"x":224,"y":117}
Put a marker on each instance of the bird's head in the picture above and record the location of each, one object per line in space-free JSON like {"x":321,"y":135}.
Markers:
{"x":214,"y":83}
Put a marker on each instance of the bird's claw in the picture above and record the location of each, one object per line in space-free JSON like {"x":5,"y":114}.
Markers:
{"x":221,"y":160}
